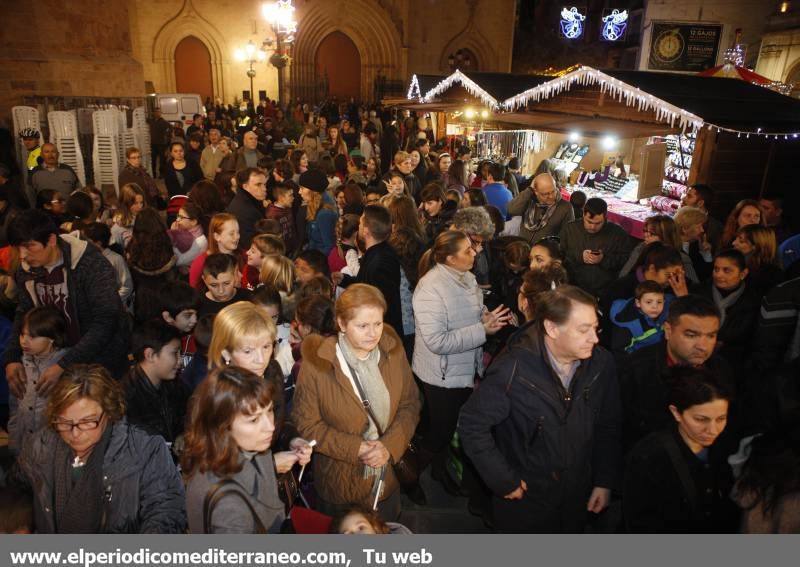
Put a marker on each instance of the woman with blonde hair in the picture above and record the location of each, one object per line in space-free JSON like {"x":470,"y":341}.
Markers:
{"x":131,"y":200}
{"x":261,"y":246}
{"x":245,"y":336}
{"x":744,"y":213}
{"x":223,"y":238}
{"x":90,"y":472}
{"x":760,"y":248}
{"x":278,"y":271}
{"x":231,"y":471}
{"x":356,"y":395}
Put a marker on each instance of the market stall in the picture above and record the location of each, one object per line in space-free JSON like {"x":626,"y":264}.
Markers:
{"x":607,"y":119}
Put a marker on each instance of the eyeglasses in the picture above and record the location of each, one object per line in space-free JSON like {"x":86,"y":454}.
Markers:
{"x":181,"y":217}
{"x":85,"y":425}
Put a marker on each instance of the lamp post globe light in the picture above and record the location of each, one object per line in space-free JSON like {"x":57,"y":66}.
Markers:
{"x":251,"y":55}
{"x":280,"y":17}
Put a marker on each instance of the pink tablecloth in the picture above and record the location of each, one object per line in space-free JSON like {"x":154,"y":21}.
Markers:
{"x":630,"y":216}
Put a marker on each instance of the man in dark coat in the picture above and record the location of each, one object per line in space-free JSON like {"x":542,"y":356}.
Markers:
{"x":690,"y":337}
{"x":543,"y":429}
{"x":72,"y":276}
{"x":594,"y":248}
{"x":248,"y":203}
{"x":380,"y":265}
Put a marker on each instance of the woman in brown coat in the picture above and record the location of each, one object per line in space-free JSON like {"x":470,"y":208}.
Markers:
{"x":354,"y":455}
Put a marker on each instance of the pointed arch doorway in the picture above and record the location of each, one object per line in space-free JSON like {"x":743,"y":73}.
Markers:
{"x":193,"y":68}
{"x":338,"y":65}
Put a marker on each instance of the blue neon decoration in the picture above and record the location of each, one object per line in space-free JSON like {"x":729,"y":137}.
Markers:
{"x":614,"y":25}
{"x":572,"y":23}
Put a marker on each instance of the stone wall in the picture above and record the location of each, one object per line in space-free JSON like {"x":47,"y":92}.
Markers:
{"x":394,"y":38}
{"x":50,"y":48}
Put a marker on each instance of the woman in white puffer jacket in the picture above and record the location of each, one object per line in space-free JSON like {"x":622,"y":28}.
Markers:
{"x":451,"y":325}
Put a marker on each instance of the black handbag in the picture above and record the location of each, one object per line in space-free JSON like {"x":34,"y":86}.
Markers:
{"x":407,"y":468}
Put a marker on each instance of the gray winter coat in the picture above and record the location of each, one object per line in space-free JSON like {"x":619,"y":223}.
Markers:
{"x":520,"y":204}
{"x":449,"y":331}
{"x":231,"y":515}
{"x":143,"y":490}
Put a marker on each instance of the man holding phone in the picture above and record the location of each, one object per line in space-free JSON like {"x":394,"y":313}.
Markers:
{"x":595,"y":248}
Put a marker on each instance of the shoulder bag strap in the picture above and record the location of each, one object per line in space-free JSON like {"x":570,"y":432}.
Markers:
{"x":216,"y":493}
{"x":364,"y":400}
{"x":680,"y":466}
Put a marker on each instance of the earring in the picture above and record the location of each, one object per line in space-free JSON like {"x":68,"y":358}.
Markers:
{"x":227,"y":361}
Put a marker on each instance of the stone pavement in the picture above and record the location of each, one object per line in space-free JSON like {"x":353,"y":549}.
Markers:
{"x":443,"y":514}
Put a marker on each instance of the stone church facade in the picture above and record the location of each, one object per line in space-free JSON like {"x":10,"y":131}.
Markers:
{"x":126,"y":48}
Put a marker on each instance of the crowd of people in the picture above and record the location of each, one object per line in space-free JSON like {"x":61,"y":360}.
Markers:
{"x":255,"y":322}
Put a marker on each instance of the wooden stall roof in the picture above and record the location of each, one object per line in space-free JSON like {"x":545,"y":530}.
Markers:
{"x":719,"y":101}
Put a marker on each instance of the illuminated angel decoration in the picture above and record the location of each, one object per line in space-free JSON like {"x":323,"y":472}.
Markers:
{"x":572,"y":23}
{"x":614,"y":25}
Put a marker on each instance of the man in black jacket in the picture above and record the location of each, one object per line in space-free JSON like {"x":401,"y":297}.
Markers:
{"x":690,"y":337}
{"x":380,"y":265}
{"x":72,"y":276}
{"x":543,"y":429}
{"x":248,"y":204}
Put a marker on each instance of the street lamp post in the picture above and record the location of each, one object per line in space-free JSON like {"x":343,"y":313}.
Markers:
{"x":280,"y":16}
{"x":251,"y":55}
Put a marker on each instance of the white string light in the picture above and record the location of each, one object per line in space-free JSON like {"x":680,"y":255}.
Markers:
{"x":470,"y":85}
{"x":584,"y":76}
{"x":413,"y":89}
{"x":631,"y":96}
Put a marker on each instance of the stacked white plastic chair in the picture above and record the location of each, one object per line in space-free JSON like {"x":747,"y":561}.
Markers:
{"x":106,"y":148}
{"x":125,"y":136}
{"x":141,"y":130}
{"x":24,"y":117}
{"x":64,"y":134}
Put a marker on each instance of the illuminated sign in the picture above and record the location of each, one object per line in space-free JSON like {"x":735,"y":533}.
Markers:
{"x":614,"y":25}
{"x":572,"y":23}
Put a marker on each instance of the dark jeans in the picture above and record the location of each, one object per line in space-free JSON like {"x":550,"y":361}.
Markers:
{"x":443,"y":405}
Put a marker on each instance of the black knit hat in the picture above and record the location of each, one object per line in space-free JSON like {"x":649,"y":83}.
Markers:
{"x":314,"y":180}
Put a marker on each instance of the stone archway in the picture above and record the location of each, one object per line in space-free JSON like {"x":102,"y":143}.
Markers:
{"x":793,"y":78}
{"x":370,"y":29}
{"x":339,"y":62}
{"x":188,"y":22}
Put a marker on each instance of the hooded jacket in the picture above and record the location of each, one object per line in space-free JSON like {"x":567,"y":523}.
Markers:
{"x":522,"y":424}
{"x":143,"y":492}
{"x":326,"y":408}
{"x":632,"y":329}
{"x":94,"y":301}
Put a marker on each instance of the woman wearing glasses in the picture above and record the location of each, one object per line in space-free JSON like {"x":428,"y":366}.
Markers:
{"x":90,"y":472}
{"x":451,"y":326}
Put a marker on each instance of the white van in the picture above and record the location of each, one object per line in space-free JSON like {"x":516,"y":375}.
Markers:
{"x":178,"y":107}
